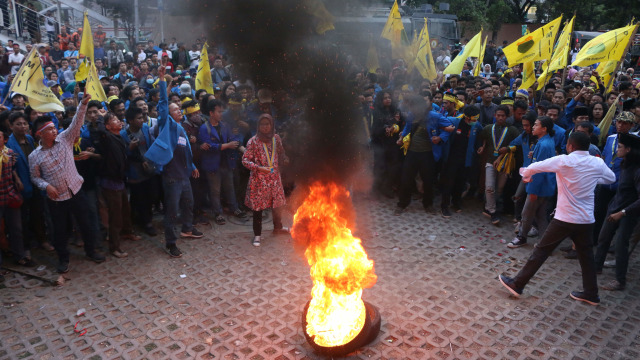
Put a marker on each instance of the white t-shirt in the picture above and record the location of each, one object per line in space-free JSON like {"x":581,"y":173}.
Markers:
{"x":141,"y":57}
{"x":195,"y":58}
{"x":17,"y":58}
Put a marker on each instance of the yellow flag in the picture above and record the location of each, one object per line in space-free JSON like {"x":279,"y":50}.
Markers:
{"x":535,"y":46}
{"x":86,"y":46}
{"x":83,"y":70}
{"x":472,"y":49}
{"x":29,"y":82}
{"x":560,"y":53}
{"x":606,"y":47}
{"x":528,"y":75}
{"x":372,"y":58}
{"x":203,"y":76}
{"x":317,"y":9}
{"x":478,"y":67}
{"x":394,"y":25}
{"x":606,"y":70}
{"x":94,"y":87}
{"x":424,"y":60}
{"x":605,"y":124}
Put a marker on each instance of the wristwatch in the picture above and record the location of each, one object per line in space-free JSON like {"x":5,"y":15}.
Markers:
{"x":624,"y":213}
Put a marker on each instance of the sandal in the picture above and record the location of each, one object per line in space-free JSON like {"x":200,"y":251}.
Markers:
{"x":220,"y":220}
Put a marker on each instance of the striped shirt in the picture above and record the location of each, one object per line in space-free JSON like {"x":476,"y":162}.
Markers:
{"x":55,"y":166}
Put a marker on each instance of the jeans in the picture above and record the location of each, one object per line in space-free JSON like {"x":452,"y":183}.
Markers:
{"x":622,"y":230}
{"x":92,"y":197}
{"x":557,"y":231}
{"x":533,"y":210}
{"x":221,"y":180}
{"x":60,"y":215}
{"x":119,"y":216}
{"x":199,"y":186}
{"x":177,"y":196}
{"x":13,"y":223}
{"x":454,"y":175}
{"x":494,"y":184}
{"x":417,"y":163}
{"x":142,"y":198}
{"x":257,"y":221}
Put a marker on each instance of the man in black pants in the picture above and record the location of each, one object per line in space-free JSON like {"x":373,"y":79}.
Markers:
{"x":577,"y":174}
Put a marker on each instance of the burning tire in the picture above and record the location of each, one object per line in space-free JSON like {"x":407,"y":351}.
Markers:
{"x":368,"y":333}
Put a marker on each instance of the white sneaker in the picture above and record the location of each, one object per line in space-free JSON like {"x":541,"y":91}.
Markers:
{"x":609,"y":264}
{"x":533,"y":232}
{"x":256,"y":241}
{"x":516,"y":243}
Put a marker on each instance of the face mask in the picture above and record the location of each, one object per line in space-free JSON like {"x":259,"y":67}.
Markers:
{"x":178,"y":72}
{"x":473,"y":123}
{"x":187,"y":77}
{"x":149,"y":81}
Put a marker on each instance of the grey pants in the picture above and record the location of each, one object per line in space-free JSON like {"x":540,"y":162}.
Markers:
{"x":533,"y":210}
{"x":494,"y":185}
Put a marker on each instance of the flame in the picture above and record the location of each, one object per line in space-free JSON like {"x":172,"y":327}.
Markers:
{"x":340,"y":268}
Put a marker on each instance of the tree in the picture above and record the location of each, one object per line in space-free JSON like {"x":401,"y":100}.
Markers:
{"x":124,"y":12}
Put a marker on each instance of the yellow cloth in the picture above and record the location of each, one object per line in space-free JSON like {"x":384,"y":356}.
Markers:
{"x":93,"y":86}
{"x":86,"y":50}
{"x":372,"y":58}
{"x":111,"y":98}
{"x":203,"y":76}
{"x":424,"y":58}
{"x":317,"y":9}
{"x":76,"y":145}
{"x":535,"y":46}
{"x":478,"y":67}
{"x":4,"y":155}
{"x":507,"y":164}
{"x":472,"y":49}
{"x":29,"y":81}
{"x":405,"y":143}
{"x":609,"y":46}
{"x":192,"y":109}
{"x":455,"y":100}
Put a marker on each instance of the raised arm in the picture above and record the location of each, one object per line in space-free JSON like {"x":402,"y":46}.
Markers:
{"x":73,"y":132}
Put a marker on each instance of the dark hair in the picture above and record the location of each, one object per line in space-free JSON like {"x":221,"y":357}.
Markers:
{"x":17,"y":115}
{"x":605,"y":108}
{"x":548,"y":124}
{"x":503,"y":108}
{"x":153,"y":92}
{"x":108,"y":116}
{"x":624,"y":86}
{"x":554,"y":107}
{"x":132,"y":112}
{"x":587,"y":125}
{"x":94,"y":103}
{"x":520,"y":104}
{"x":564,"y":93}
{"x":135,"y":101}
{"x":39,"y":121}
{"x":203,"y":104}
{"x":189,"y":104}
{"x":426,"y":93}
{"x":580,"y":141}
{"x":126,"y":93}
{"x":463,"y":94}
{"x":504,"y":81}
{"x":198,"y":92}
{"x":212,"y":104}
{"x":173,"y":95}
{"x":114,"y":103}
{"x":531,"y":116}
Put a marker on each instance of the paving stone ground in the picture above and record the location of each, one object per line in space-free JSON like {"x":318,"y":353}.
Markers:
{"x":225,"y":299}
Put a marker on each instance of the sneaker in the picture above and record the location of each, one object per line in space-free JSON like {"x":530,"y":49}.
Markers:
{"x":220,"y":220}
{"x":580,"y":296}
{"x":571,"y":254}
{"x":516,"y":243}
{"x":282,"y":231}
{"x":508,"y":283}
{"x":26,"y":262}
{"x":398,"y":211}
{"x":495,"y":219}
{"x":194,"y":234}
{"x":610,"y":264}
{"x":132,"y":237}
{"x":119,"y":254}
{"x":533,"y":232}
{"x":445,"y":213}
{"x":256,"y":241}
{"x":613,"y":285}
{"x":63,"y":268}
{"x":150,"y":230}
{"x":96,"y":257}
{"x":240,"y":214}
{"x":173,"y":251}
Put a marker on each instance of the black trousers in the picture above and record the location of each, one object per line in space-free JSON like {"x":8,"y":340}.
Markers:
{"x":557,"y":231}
{"x":600,"y":204}
{"x":257,"y":221}
{"x":417,"y":163}
{"x":143,"y":195}
{"x":622,"y":231}
{"x":454,"y":175}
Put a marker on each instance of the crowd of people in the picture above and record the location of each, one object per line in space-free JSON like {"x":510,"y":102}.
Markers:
{"x":157,"y":145}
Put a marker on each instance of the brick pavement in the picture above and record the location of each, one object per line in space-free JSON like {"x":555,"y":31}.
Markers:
{"x":437,"y":301}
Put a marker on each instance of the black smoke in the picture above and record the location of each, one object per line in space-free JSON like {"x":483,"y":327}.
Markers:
{"x":275,"y":43}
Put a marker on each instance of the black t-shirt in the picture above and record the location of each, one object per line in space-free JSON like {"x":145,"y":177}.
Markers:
{"x":460,"y":141}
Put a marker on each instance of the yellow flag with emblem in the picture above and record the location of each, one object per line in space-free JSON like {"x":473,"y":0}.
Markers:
{"x":560,"y":54}
{"x":29,"y":81}
{"x":535,"y":46}
{"x":86,"y":50}
{"x":424,"y":60}
{"x":93,"y":86}
{"x":203,"y":76}
{"x":606,"y":47}
{"x":472,"y":49}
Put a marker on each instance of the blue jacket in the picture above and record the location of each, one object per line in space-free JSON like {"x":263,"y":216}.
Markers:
{"x":523,"y":141}
{"x":435,"y":125}
{"x":131,"y":173}
{"x":471,"y":146}
{"x":22,"y":165}
{"x":612,"y":161}
{"x":558,"y":138}
{"x":543,"y":184}
{"x":161,"y":151}
{"x":211,"y":158}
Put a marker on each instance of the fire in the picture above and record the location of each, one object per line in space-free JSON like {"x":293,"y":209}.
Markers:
{"x":340,"y":268}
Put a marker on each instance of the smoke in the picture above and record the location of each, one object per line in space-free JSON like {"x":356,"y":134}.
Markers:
{"x":275,"y":44}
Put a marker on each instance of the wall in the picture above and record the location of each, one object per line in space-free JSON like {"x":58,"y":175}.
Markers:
{"x":508,"y":32}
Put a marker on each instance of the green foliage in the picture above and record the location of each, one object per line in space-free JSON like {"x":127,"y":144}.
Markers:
{"x":590,"y":14}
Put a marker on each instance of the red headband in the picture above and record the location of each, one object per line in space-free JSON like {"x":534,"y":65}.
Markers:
{"x":44,"y":126}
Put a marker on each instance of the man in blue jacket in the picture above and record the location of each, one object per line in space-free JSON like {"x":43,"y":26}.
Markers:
{"x":217,"y":143}
{"x":542,"y":185}
{"x":171,"y":150}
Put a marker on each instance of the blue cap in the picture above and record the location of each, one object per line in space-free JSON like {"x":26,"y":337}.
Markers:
{"x":66,"y":95}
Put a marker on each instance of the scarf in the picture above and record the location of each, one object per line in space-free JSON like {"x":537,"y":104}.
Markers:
{"x":262,"y":137}
{"x":4,"y":156}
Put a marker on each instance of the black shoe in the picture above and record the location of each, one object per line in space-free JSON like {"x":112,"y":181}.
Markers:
{"x":510,"y":285}
{"x":445,"y":213}
{"x":516,"y":243}
{"x":63,"y":268}
{"x":150,"y":230}
{"x":495,"y":219}
{"x":220,"y":220}
{"x":174,"y":251}
{"x":571,"y":254}
{"x":579,"y":295}
{"x":566,"y":248}
{"x":26,"y":262}
{"x":240,"y":214}
{"x":96,"y":257}
{"x":194,"y":234}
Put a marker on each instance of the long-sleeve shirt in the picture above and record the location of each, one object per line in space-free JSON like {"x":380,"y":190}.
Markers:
{"x":577,"y":175}
{"x":627,"y":193}
{"x":55,"y":165}
{"x":542,"y":184}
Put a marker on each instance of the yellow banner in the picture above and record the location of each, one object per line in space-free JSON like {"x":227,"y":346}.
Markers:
{"x":29,"y":82}
{"x":94,"y":87}
{"x":528,"y":75}
{"x":372,"y":58}
{"x":606,"y":47}
{"x":394,"y":25}
{"x":424,"y":60}
{"x":203,"y":76}
{"x":472,"y":49}
{"x":317,"y":9}
{"x":535,"y":46}
{"x":86,"y":46}
{"x":478,"y":67}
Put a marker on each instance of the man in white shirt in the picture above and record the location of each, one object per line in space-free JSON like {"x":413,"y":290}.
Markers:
{"x":577,"y":175}
{"x":15,"y":59}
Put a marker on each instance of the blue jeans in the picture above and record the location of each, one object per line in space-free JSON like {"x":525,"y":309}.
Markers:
{"x":221,"y":180}
{"x":177,"y":196}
